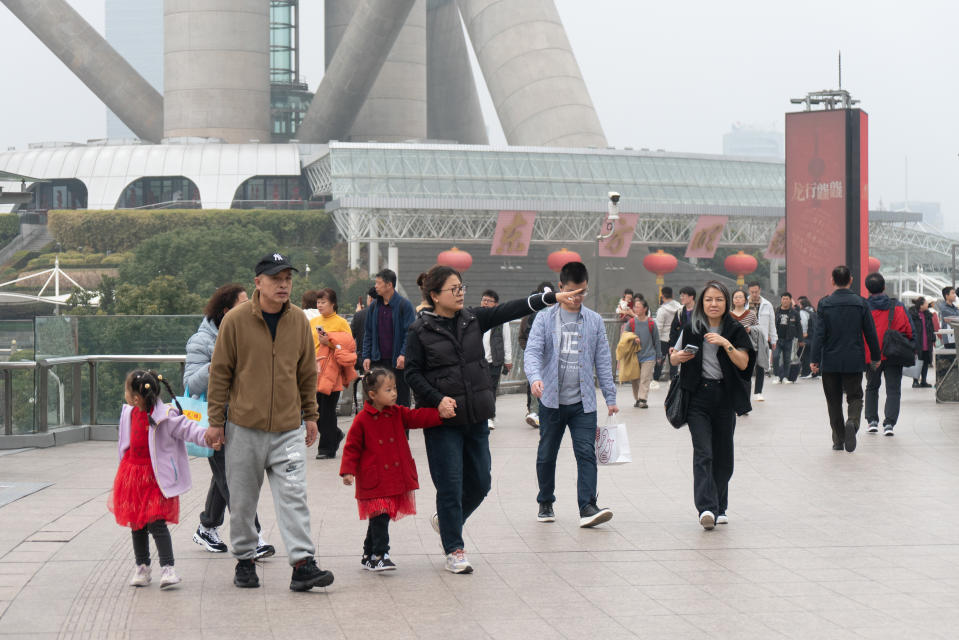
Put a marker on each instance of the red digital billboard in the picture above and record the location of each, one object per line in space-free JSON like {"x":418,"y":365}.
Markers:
{"x":826,"y":212}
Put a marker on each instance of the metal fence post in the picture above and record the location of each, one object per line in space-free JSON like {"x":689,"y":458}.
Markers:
{"x":43,"y":380}
{"x":77,"y":370}
{"x":7,"y":402}
{"x":93,"y":392}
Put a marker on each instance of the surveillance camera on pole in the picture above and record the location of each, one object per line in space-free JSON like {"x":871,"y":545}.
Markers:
{"x":612,"y":208}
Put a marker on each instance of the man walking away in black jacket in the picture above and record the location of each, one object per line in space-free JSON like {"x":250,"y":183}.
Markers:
{"x":839,"y":352}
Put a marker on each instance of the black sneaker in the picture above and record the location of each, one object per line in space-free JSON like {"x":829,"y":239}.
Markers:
{"x":209,"y":539}
{"x":837,"y":447}
{"x":850,"y":440}
{"x":591,"y":515}
{"x":887,"y":430}
{"x":264,"y":551}
{"x":308,"y":575}
{"x":636,"y":405}
{"x":376,"y":563}
{"x":643,"y":404}
{"x":245,"y":576}
{"x":365,"y":559}
{"x":546,"y":512}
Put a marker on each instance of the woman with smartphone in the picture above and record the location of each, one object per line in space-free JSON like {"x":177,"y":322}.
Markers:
{"x":335,"y":362}
{"x":717,"y":356}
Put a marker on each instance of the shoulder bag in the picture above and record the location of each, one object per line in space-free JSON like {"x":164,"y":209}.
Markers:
{"x":897,"y":349}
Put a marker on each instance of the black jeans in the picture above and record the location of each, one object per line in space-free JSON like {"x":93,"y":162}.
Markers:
{"x":760,"y":379}
{"x":161,"y":537}
{"x":834,"y":385}
{"x":712,"y":423}
{"x":402,"y":389}
{"x":495,"y":373}
{"x":661,"y":362}
{"x":329,"y":432}
{"x":218,"y":495}
{"x":893,"y":376}
{"x":377,"y":536}
{"x":460,"y":467}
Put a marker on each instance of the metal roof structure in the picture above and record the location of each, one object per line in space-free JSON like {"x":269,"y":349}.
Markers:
{"x":106,"y":170}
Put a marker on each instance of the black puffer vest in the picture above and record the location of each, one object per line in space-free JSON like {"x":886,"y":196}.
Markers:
{"x":455,"y":365}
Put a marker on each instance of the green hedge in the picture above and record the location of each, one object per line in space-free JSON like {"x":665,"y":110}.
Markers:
{"x":125,"y":229}
{"x":9,"y":228}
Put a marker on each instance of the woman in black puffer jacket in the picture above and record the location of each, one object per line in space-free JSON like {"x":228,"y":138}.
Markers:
{"x":446,"y":368}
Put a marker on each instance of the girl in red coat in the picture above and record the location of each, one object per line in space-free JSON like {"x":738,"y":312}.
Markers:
{"x":378,"y":456}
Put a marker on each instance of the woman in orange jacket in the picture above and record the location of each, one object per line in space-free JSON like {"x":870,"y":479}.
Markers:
{"x":335,"y":360}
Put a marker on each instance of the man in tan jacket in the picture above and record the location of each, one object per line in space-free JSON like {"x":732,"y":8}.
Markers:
{"x":264,"y":370}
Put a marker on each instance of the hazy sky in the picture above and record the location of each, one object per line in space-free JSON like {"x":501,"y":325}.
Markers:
{"x":671,"y":75}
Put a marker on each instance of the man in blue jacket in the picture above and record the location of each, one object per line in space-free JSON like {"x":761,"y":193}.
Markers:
{"x":839,"y":351}
{"x":384,"y":340}
{"x":566,"y":344}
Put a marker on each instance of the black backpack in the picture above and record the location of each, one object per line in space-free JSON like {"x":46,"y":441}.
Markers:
{"x":897,"y":348}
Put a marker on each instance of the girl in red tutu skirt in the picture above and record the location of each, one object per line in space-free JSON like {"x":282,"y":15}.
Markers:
{"x":377,"y":455}
{"x":154,"y":470}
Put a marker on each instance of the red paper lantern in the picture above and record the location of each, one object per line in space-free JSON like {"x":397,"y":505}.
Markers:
{"x":660,"y":263}
{"x":558,"y":259}
{"x":874,"y":264}
{"x":740,"y":264}
{"x":455,"y":258}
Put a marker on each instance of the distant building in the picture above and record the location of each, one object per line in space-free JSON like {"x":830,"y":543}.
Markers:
{"x":931,"y":211}
{"x":755,"y":142}
{"x":135,"y":29}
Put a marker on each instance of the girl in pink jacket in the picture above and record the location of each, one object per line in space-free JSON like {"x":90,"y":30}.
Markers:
{"x":153,"y":472}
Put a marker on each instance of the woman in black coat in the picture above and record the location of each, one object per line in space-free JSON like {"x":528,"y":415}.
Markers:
{"x":715,"y":375}
{"x":924,"y":332}
{"x":446,"y":368}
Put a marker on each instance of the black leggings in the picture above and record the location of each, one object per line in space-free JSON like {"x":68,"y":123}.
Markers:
{"x":377,"y":540}
{"x":161,"y":537}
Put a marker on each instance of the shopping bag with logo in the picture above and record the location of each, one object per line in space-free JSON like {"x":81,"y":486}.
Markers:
{"x":612,"y":444}
{"x":195,"y":409}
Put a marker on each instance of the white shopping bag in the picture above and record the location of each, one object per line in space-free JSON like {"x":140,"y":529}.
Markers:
{"x":612,"y":444}
{"x":914,"y":371}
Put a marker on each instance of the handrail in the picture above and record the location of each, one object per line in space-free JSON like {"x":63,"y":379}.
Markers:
{"x":44,"y":365}
{"x":111,"y":358}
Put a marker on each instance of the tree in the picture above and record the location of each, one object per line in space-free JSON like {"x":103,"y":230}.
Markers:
{"x":164,"y":295}
{"x":201,"y":261}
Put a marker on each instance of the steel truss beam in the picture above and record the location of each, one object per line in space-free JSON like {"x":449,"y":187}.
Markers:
{"x":457,"y":226}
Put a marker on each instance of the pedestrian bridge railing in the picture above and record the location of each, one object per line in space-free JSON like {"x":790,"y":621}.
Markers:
{"x":57,"y":392}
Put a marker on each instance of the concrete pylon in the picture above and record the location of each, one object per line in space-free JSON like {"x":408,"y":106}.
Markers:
{"x":395,"y":109}
{"x":350,"y":75}
{"x":91,"y":58}
{"x":532,"y":74}
{"x":453,"y":109}
{"x":216,"y":69}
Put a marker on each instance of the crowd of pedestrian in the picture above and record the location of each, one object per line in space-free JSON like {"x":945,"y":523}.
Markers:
{"x":272,"y":375}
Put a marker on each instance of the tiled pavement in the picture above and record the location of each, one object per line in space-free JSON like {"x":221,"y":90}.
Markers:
{"x":821,"y":544}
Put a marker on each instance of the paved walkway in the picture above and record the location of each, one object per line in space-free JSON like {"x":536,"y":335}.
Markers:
{"x":821,"y":544}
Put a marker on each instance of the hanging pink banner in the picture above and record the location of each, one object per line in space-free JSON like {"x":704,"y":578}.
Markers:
{"x":705,"y":237}
{"x":777,"y":244}
{"x":514,"y":229}
{"x":617,"y":245}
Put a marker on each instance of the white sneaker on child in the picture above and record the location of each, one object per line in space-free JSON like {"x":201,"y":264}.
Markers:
{"x":141,"y":577}
{"x":169,"y":577}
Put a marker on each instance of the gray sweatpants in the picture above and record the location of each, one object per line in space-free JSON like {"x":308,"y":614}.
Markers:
{"x":283,"y":456}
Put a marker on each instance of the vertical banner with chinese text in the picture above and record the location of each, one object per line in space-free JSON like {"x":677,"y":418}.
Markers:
{"x":824,"y":208}
{"x":705,"y":237}
{"x":777,"y":244}
{"x":514,"y":229}
{"x":617,"y":245}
